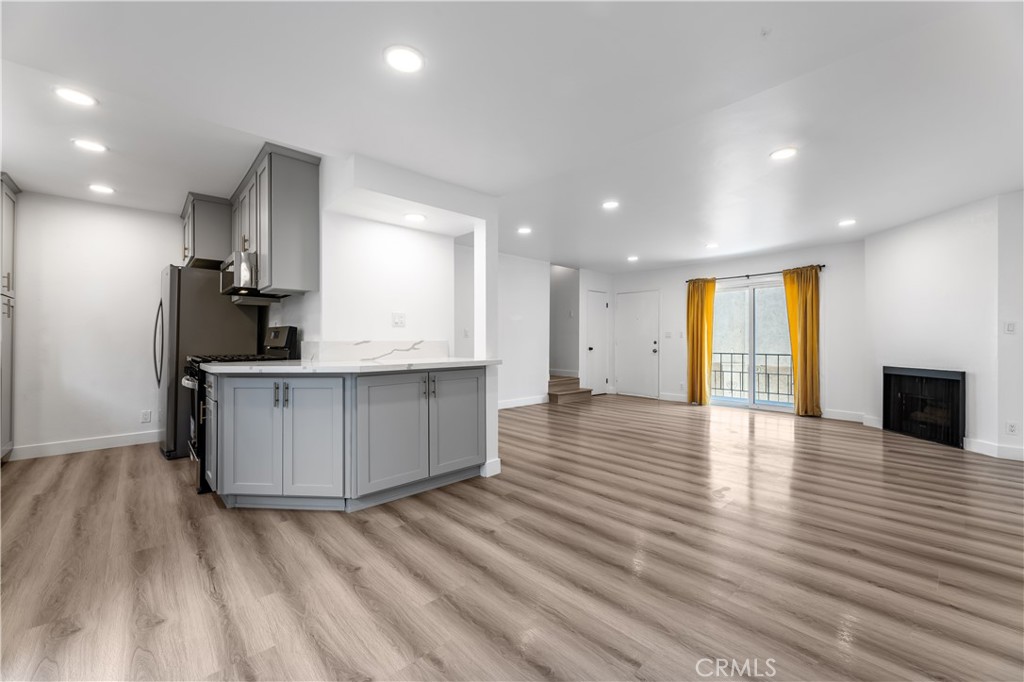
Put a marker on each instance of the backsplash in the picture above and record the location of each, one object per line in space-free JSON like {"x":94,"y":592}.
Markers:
{"x":345,"y":351}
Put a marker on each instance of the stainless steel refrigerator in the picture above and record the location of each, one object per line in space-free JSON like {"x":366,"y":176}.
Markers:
{"x":193,"y":318}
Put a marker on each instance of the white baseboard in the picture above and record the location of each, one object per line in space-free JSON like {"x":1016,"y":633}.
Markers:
{"x":1014,"y":452}
{"x":674,"y":397}
{"x":873,"y":422}
{"x":491,"y":468}
{"x":520,"y":402}
{"x":563,"y":373}
{"x":982,"y":447}
{"x":66,"y":447}
{"x":843,"y":415}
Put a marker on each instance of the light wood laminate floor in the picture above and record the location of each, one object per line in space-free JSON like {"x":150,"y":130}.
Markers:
{"x":624,"y":539}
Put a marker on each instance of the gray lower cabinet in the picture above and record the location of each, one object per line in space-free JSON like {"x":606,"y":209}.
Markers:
{"x":212,"y":441}
{"x":413,"y":426}
{"x":314,"y":443}
{"x":252,"y":424}
{"x":457,"y":421}
{"x":391,"y":431}
{"x":282,"y":436}
{"x":7,"y":374}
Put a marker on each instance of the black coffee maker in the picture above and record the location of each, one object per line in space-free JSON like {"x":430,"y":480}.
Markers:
{"x":282,"y":342}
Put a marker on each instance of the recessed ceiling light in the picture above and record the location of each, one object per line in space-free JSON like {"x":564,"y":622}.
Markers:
{"x":525,"y":230}
{"x":415,"y":218}
{"x":783,"y":154}
{"x":711,"y":245}
{"x":89,"y":145}
{"x":101,"y":189}
{"x":610,"y":205}
{"x":403,"y":58}
{"x":847,"y":222}
{"x":76,"y":97}
{"x":633,"y":259}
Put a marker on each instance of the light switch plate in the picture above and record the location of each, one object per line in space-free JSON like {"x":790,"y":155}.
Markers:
{"x":397,"y":319}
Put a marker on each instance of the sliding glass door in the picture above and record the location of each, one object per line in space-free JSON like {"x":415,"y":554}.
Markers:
{"x":751,"y":362}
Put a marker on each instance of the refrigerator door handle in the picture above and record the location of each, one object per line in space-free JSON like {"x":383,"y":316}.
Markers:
{"x":158,"y":332}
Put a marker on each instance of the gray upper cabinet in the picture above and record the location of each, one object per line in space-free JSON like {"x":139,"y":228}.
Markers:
{"x":457,"y":420}
{"x":206,"y":229}
{"x":7,"y":239}
{"x":314,"y":420}
{"x":251,"y":425}
{"x":277,"y":208}
{"x":391,"y":431}
{"x":281,"y":436}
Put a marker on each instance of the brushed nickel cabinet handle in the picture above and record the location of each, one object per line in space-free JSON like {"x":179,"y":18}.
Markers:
{"x":277,"y":394}
{"x":433,"y":382}
{"x":286,"y":394}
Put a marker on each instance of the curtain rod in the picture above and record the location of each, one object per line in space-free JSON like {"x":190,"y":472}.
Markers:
{"x":756,"y":274}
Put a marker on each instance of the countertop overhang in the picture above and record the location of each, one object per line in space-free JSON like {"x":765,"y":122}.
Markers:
{"x":283,"y":367}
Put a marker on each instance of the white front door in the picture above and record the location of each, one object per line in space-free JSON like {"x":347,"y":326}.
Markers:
{"x":636,"y":343}
{"x":597,"y":343}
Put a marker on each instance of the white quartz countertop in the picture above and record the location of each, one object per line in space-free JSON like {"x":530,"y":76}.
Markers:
{"x":279,"y":367}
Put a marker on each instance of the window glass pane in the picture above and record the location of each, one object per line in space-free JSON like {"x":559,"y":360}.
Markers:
{"x":730,"y":366}
{"x":773,"y":362}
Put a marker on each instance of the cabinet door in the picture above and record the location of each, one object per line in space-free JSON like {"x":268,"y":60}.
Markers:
{"x":244,"y":213}
{"x":391,"y":431}
{"x":188,"y":236}
{"x":7,"y":243}
{"x":314,"y":429}
{"x":251,"y":433}
{"x":212,"y":442}
{"x":6,"y":375}
{"x":262,"y":210}
{"x":456,"y":420}
{"x":236,"y":233}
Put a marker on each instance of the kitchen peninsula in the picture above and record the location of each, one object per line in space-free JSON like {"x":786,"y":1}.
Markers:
{"x":342,"y":435}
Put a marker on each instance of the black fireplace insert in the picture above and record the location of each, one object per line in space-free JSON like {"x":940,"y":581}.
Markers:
{"x":925,"y":403}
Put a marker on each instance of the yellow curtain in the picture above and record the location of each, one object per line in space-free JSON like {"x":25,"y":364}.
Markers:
{"x":802,"y":310}
{"x":700,"y":314}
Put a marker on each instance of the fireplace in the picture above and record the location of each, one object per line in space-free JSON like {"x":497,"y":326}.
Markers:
{"x":925,"y":403}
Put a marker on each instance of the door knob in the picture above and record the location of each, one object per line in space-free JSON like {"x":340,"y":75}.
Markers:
{"x":590,"y":348}
{"x":655,"y":350}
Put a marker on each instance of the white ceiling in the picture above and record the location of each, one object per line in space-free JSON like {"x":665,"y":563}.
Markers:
{"x":899,"y":110}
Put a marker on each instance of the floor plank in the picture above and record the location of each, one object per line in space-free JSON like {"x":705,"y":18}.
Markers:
{"x":625,"y":539}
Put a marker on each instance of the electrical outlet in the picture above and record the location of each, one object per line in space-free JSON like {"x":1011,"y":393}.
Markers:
{"x":1011,"y":428}
{"x":465,"y":333}
{"x":397,"y":319}
{"x":1009,"y":327}
{"x":146,"y":416}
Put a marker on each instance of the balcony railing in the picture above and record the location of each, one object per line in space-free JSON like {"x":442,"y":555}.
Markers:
{"x":773,"y":376}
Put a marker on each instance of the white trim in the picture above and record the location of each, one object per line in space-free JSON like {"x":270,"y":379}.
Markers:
{"x":982,"y":447}
{"x":1014,"y":452}
{"x":674,"y":397}
{"x":873,"y":422}
{"x":67,"y":447}
{"x":563,"y":373}
{"x":843,"y":415}
{"x":491,"y":468}
{"x":520,"y":402}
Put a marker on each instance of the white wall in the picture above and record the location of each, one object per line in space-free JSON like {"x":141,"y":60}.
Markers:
{"x":842,"y":337}
{"x":930,"y":291}
{"x":88,"y":277}
{"x":370,"y":270}
{"x":565,"y":321}
{"x":524,"y":294}
{"x":1011,"y":310}
{"x":463,"y":333}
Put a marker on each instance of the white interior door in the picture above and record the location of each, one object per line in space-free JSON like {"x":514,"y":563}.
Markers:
{"x":636,"y":343}
{"x":597,"y":342}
